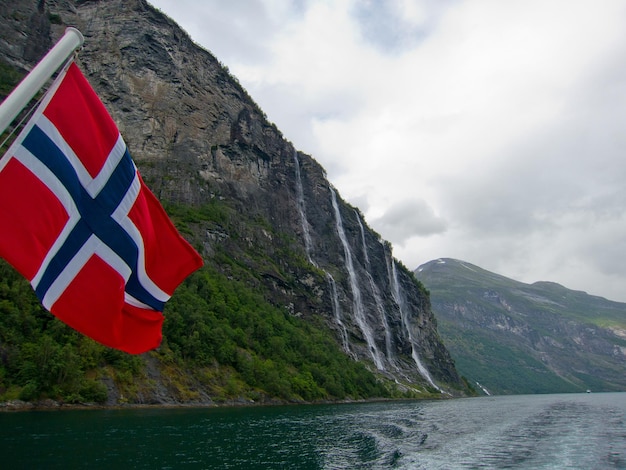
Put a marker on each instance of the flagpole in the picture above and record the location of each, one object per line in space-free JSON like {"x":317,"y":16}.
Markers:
{"x":37,"y":78}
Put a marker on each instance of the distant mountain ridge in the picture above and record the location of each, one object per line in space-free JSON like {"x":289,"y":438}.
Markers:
{"x":512,"y":337}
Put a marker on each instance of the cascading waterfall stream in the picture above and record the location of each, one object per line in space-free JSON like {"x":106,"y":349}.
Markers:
{"x":399,"y":298}
{"x":377,"y":298}
{"x":337,"y":315}
{"x":357,"y":302}
{"x":308,"y":248}
{"x":301,"y":208}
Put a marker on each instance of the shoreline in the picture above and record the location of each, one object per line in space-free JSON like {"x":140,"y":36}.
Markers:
{"x":16,"y":406}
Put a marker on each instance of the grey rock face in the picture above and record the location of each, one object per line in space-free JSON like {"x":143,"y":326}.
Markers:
{"x":196,"y":136}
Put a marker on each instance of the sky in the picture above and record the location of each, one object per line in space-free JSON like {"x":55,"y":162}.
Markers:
{"x":489,"y":131}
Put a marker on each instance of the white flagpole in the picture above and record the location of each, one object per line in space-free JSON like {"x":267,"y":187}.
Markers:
{"x":32,"y":83}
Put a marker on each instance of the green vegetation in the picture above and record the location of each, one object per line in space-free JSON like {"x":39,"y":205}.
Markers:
{"x":216,"y":330}
{"x":9,"y":77}
{"x":216,"y":321}
{"x":222,"y":337}
{"x":55,"y":18}
{"x":223,"y":322}
{"x":504,"y":368}
{"x":39,"y":356}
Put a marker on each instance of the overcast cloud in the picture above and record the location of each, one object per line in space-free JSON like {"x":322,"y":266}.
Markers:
{"x":486,"y":130}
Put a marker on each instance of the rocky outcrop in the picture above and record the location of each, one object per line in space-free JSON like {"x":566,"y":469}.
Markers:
{"x":198,"y":137}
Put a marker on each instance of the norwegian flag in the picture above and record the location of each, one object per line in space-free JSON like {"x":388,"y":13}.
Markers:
{"x":79,"y":223}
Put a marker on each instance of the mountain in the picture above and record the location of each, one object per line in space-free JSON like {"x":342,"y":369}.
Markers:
{"x":299,"y":298}
{"x":513,"y":337}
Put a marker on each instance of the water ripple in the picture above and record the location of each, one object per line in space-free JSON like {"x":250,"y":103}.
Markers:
{"x":538,"y":432}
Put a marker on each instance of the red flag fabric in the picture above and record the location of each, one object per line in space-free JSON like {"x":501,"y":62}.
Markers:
{"x":79,"y":223}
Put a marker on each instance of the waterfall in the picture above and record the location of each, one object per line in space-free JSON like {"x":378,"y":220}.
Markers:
{"x":357,"y":302}
{"x":302,"y":209}
{"x":308,"y":248}
{"x":399,"y":298}
{"x":376,"y":293}
{"x":365,"y":253}
{"x":337,"y":315}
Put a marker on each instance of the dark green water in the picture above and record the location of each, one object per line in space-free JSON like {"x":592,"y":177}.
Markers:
{"x":542,"y":431}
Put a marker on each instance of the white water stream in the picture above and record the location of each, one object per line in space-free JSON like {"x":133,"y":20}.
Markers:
{"x":308,"y":248}
{"x":377,"y":298}
{"x":400,"y":300}
{"x":302,"y":209}
{"x":337,"y":315}
{"x":357,"y":301}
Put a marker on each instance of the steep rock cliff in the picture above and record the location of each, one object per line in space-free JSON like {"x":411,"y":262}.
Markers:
{"x":198,"y":138}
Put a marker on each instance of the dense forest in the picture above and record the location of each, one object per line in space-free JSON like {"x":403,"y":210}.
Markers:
{"x":222,"y":340}
{"x":210,"y":322}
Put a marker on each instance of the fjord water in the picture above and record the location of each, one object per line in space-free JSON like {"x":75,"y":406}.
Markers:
{"x":582,"y":431}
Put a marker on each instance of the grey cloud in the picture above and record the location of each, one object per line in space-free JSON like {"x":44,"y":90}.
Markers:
{"x":570,"y":170}
{"x":230,"y":32}
{"x":562,"y":171}
{"x":412,"y":217}
{"x":552,"y":201}
{"x":603,"y":244}
{"x":277,"y":100}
